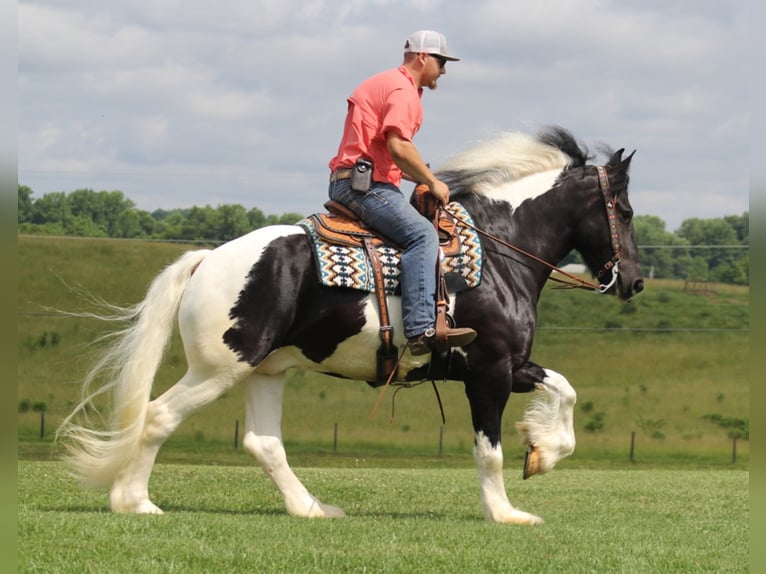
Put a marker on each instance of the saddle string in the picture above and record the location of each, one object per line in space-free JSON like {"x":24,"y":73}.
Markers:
{"x":404,"y":385}
{"x":388,"y":382}
{"x":401,"y":386}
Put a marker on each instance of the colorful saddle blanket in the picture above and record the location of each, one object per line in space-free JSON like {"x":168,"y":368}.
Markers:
{"x":347,"y":265}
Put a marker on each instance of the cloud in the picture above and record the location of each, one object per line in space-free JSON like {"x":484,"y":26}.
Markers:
{"x":181,"y":103}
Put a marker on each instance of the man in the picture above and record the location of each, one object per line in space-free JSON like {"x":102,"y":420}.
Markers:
{"x":384,"y":114}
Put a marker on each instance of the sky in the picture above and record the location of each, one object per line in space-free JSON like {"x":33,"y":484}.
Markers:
{"x":189,"y":103}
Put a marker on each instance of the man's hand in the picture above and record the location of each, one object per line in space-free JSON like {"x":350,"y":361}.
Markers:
{"x":407,"y":158}
{"x":440,"y":191}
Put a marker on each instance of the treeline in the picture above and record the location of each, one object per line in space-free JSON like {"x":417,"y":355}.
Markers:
{"x":702,"y":249}
{"x":88,"y":213}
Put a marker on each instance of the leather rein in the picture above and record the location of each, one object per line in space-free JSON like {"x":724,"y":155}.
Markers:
{"x":610,"y":202}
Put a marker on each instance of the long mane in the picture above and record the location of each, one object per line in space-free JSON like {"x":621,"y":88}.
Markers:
{"x":511,"y":156}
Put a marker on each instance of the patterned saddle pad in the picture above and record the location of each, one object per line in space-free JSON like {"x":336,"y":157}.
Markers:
{"x":348,"y":266}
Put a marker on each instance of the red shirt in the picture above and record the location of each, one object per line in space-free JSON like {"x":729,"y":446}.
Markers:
{"x":387,"y":101}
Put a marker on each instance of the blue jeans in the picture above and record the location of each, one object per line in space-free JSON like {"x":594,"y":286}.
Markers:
{"x":385,"y":209}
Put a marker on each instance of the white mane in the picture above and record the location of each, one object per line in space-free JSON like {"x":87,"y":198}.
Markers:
{"x":507,"y":157}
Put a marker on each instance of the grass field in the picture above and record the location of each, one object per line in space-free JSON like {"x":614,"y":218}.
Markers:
{"x":634,"y":370}
{"x":665,"y":367}
{"x":224,"y":519}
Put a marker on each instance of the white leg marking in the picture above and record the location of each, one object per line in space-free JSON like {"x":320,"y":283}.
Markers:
{"x":494,"y":500}
{"x":130,"y":490}
{"x":263,"y":439}
{"x":548,"y":425}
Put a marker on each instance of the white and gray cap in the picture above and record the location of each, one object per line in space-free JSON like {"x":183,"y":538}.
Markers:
{"x":428,"y":42}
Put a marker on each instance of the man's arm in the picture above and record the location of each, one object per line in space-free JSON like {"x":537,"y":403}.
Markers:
{"x":407,"y":158}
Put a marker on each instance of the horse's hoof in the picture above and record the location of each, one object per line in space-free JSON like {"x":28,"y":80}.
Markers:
{"x":318,"y":509}
{"x":333,"y":511}
{"x":531,"y":462}
{"x":145,"y":507}
{"x":515,"y":516}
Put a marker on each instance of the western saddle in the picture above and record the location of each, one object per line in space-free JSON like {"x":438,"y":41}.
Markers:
{"x":341,"y":226}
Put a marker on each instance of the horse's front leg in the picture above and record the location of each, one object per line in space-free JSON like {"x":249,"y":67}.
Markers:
{"x":548,"y":425}
{"x":488,"y":396}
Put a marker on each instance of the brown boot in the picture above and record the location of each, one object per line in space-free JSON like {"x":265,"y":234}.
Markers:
{"x":425,"y":343}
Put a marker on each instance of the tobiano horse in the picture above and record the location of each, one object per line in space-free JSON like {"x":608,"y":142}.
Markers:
{"x":253,"y":308}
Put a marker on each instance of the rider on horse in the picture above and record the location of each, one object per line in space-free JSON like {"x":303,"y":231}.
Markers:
{"x":375,"y":153}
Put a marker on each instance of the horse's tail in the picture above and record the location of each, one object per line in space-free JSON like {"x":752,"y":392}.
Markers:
{"x":131,"y":362}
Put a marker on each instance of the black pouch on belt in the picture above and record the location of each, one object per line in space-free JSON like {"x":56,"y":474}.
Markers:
{"x":361,"y":175}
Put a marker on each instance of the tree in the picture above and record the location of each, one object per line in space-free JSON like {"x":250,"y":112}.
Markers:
{"x":233,"y":222}
{"x":256,"y":218}
{"x":289,"y":218}
{"x":741,"y":226}
{"x":51,"y":208}
{"x":718,"y":241}
{"x":134,"y":223}
{"x":104,"y":208}
{"x":659,"y":261}
{"x":201,"y":223}
{"x":169,"y":226}
{"x":25,"y":204}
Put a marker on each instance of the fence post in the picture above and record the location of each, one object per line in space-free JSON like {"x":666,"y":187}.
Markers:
{"x":734,"y":450}
{"x":335,"y":438}
{"x":236,"y":434}
{"x":632,"y":445}
{"x":42,"y":423}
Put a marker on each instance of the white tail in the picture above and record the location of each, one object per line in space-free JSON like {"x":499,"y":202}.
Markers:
{"x":131,"y":362}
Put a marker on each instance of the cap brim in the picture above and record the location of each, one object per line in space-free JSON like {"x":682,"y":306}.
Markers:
{"x":440,"y":55}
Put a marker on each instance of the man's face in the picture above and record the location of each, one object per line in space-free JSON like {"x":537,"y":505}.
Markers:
{"x":434,"y":67}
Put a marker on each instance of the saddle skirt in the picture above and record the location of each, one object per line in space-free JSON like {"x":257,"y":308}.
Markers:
{"x":338,"y":244}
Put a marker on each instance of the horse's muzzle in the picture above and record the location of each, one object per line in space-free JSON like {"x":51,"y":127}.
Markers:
{"x":631,"y":288}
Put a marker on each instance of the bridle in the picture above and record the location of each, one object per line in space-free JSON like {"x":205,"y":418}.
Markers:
{"x":574,"y":282}
{"x":610,"y":201}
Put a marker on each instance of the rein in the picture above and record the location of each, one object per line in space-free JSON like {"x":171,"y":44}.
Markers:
{"x":613,"y":265}
{"x":576,"y":282}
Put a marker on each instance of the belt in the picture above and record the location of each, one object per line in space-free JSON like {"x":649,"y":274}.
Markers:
{"x":339,"y":174}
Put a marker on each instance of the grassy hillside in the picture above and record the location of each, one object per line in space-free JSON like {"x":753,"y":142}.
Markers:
{"x":633,"y":369}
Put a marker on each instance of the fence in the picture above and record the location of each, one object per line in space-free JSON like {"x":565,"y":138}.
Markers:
{"x":440,"y":448}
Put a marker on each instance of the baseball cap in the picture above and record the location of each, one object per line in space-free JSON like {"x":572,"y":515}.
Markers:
{"x":428,"y":42}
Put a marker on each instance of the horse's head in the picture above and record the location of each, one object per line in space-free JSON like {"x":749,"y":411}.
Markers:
{"x":606,"y":239}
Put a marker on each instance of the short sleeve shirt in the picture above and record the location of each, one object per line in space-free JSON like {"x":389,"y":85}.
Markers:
{"x":385,"y":102}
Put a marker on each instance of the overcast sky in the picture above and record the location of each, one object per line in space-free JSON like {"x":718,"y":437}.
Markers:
{"x":242,"y":101}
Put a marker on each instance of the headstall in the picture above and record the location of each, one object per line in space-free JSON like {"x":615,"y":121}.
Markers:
{"x":613,"y":265}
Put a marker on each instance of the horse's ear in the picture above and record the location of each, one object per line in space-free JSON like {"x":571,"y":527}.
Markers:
{"x":617,"y":160}
{"x":616,"y":157}
{"x":626,"y":161}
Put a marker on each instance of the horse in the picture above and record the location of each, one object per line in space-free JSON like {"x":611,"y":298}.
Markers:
{"x":252,"y":308}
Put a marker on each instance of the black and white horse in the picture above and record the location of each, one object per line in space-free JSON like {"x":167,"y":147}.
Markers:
{"x":252,"y":309}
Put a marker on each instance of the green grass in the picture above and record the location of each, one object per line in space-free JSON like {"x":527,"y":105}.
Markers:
{"x":223,"y":519}
{"x":636,"y":377}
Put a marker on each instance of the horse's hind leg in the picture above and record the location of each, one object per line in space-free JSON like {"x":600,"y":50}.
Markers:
{"x":130,"y":490}
{"x":548,"y":425}
{"x":263,"y":439}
